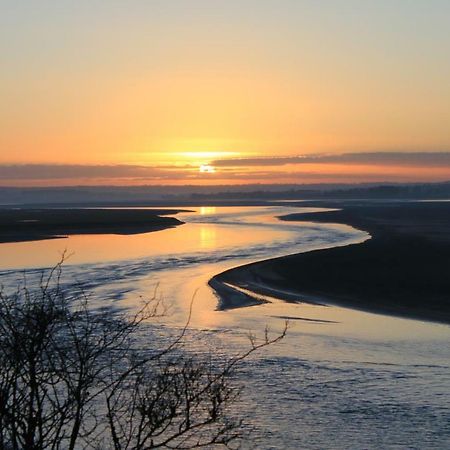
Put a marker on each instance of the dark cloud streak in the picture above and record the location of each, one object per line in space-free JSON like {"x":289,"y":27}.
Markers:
{"x":237,"y":169}
{"x":412,"y":159}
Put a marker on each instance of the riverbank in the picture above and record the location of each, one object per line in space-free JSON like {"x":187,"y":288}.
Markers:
{"x":19,"y":225}
{"x":403,"y":270}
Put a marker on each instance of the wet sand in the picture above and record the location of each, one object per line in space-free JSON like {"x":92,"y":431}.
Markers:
{"x":403,"y":270}
{"x":19,"y":225}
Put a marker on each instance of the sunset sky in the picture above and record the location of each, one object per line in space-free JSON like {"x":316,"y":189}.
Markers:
{"x":224,"y":92}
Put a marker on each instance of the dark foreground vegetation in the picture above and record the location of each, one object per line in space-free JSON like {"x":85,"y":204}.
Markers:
{"x":404,"y":269}
{"x":36,"y":224}
{"x":73,"y":378}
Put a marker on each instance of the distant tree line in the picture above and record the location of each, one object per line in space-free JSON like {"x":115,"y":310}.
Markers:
{"x":385,"y":191}
{"x":166,"y":195}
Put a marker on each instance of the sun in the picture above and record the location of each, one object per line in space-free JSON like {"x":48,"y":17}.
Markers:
{"x":206,"y":168}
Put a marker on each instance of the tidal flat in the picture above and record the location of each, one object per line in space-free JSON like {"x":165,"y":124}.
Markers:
{"x":403,"y":269}
{"x":31,"y":224}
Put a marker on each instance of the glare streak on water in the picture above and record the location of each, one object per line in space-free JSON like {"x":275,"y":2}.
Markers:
{"x":355,"y":380}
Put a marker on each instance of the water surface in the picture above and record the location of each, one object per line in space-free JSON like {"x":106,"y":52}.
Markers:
{"x":350,"y":380}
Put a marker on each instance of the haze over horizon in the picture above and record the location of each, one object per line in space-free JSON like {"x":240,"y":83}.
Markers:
{"x":208,"y":92}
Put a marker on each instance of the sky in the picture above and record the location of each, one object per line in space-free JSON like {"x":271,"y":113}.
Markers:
{"x":224,"y":92}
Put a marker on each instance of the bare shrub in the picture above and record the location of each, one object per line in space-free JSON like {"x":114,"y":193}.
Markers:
{"x":72,"y":377}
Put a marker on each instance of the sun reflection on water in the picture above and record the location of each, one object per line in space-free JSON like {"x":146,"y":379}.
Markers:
{"x":208,"y":237}
{"x":206,"y":210}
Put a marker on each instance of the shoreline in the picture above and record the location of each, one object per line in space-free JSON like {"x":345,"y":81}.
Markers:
{"x":402,"y":270}
{"x":25,"y":225}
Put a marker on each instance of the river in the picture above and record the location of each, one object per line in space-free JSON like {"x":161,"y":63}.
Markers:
{"x":341,"y":379}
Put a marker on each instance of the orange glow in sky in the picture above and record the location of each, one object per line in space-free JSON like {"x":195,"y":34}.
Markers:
{"x":172,"y":88}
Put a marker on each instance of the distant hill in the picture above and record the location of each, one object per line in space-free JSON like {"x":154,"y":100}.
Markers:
{"x":154,"y":195}
{"x":385,"y":192}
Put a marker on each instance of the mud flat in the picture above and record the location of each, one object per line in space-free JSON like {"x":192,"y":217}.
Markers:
{"x":403,"y":270}
{"x":18,"y":225}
